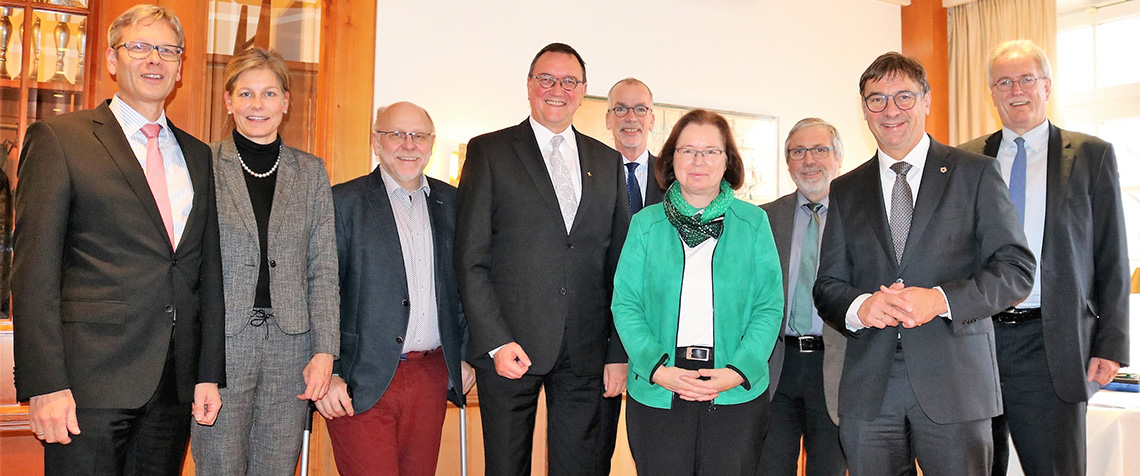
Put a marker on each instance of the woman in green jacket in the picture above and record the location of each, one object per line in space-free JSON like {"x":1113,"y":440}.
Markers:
{"x":698,"y":302}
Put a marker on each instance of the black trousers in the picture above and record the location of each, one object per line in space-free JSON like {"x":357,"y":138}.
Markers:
{"x":146,"y":441}
{"x":508,"y":408}
{"x":609,"y":414}
{"x":1049,"y":433}
{"x":799,"y":409}
{"x":697,"y":438}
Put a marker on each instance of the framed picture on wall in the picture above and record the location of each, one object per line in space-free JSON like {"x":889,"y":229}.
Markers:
{"x":757,"y":137}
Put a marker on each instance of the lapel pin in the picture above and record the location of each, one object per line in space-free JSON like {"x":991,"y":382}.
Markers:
{"x":943,"y":170}
{"x":589,"y":173}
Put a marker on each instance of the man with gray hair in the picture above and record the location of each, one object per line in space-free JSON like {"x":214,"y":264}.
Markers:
{"x":807,"y":361}
{"x":1070,"y":335}
{"x":118,"y":306}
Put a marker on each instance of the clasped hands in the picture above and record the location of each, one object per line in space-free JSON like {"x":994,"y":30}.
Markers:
{"x":696,"y":385}
{"x":909,"y":306}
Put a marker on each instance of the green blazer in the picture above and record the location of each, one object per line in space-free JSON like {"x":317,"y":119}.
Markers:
{"x":748,"y":300}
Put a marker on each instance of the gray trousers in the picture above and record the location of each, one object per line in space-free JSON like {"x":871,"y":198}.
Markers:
{"x":258,"y":430}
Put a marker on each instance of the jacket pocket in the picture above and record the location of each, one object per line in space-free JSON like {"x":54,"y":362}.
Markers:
{"x":93,"y":312}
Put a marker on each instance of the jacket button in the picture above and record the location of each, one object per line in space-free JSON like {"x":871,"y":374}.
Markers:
{"x":569,"y":246}
{"x":562,"y":291}
{"x":169,"y":309}
{"x":272,"y":263}
{"x":404,"y":303}
{"x":399,"y":340}
{"x":174,"y":263}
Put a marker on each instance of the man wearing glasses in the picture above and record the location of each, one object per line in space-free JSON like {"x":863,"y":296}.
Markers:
{"x":1070,"y":335}
{"x":402,"y":328}
{"x":118,"y":305}
{"x":807,"y":361}
{"x":922,"y":246}
{"x":542,"y":216}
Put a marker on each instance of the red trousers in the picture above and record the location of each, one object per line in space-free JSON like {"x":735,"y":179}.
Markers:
{"x":400,"y":434}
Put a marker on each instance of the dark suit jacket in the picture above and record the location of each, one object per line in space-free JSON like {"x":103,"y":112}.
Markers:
{"x":374,"y":287}
{"x":1085,"y":286}
{"x":964,"y":237}
{"x":97,"y":286}
{"x":653,"y":192}
{"x":781,"y":216}
{"x":522,"y":277}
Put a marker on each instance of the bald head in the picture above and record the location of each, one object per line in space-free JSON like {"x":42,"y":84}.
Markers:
{"x":400,"y":109}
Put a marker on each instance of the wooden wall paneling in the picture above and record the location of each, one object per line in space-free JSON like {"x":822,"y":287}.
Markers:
{"x":345,"y":87}
{"x":925,"y":38}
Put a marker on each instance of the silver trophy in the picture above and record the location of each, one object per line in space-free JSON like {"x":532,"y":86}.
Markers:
{"x":62,"y":37}
{"x":5,"y":35}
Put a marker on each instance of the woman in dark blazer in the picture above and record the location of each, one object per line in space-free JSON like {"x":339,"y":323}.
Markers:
{"x":279,"y":267}
{"x":698,"y":302}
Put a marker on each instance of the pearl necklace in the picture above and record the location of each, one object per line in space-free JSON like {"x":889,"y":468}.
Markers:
{"x":255,"y":174}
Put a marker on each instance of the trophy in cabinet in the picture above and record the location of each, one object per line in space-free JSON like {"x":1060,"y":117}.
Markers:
{"x":82,"y":47}
{"x":35,"y":50}
{"x":5,"y":35}
{"x":62,"y":36}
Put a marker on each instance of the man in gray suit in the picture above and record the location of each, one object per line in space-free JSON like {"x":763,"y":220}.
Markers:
{"x":403,"y":334}
{"x":806,"y":363}
{"x":921,"y":247}
{"x":1070,"y":335}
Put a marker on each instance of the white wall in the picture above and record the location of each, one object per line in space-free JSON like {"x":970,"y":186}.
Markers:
{"x":466,"y":61}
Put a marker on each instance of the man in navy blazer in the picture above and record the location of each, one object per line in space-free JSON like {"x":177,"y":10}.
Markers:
{"x":403,"y":334}
{"x":1070,"y":335}
{"x":921,"y":247}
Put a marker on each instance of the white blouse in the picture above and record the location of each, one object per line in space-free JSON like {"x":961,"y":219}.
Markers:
{"x":695,"y":324}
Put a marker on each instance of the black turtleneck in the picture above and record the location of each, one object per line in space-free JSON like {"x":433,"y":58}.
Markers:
{"x":260,"y":158}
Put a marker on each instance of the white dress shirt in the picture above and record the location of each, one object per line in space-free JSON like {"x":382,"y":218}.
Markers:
{"x":641,"y":172}
{"x":417,"y":245}
{"x":178,"y":184}
{"x":1036,"y":165}
{"x":569,"y":151}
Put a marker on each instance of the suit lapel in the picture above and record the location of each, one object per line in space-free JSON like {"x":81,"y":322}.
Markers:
{"x":437,"y":214}
{"x":382,"y":227}
{"x":287,"y":172}
{"x":114,"y":140}
{"x":653,"y":193}
{"x":935,"y":175}
{"x":783,"y":219}
{"x":993,"y":143}
{"x":1058,"y":169}
{"x":588,"y":163}
{"x":526,"y":147}
{"x":870,"y":185}
{"x":232,"y":175}
{"x":198,"y":166}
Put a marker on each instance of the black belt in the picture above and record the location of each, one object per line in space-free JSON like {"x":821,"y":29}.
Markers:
{"x":804,"y":343}
{"x":696,"y":353}
{"x":1017,"y":316}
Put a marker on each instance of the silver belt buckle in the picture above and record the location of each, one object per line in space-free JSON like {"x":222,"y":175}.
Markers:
{"x":801,"y":341}
{"x":697,"y":353}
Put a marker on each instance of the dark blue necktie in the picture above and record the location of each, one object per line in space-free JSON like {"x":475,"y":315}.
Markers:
{"x":1017,"y":180}
{"x":632,"y":189}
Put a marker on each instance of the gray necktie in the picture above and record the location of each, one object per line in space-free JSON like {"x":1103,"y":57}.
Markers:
{"x":809,"y":257}
{"x":563,"y":186}
{"x":902,"y":208}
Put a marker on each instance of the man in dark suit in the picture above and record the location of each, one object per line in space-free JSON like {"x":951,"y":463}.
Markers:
{"x":806,"y":363}
{"x":542,"y":216}
{"x":630,"y":119}
{"x":402,"y":328}
{"x":921,"y":248}
{"x":1070,"y":335}
{"x":118,"y":305}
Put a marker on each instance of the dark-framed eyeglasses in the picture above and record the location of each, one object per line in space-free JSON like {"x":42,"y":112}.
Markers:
{"x":905,"y":100}
{"x":141,"y":50}
{"x":547,"y":81}
{"x":819,"y":152}
{"x":639,"y":110}
{"x":689,"y":153}
{"x":1026,"y":82}
{"x":417,"y":137}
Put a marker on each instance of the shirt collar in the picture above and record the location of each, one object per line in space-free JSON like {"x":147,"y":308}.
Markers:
{"x":544,"y":135}
{"x":642,"y":159}
{"x":802,"y":200}
{"x":394,"y":187}
{"x":128,"y":117}
{"x":1036,"y":138}
{"x":916,"y":158}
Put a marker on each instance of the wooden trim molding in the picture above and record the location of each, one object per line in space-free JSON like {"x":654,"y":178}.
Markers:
{"x":924,"y":37}
{"x":345,"y":87}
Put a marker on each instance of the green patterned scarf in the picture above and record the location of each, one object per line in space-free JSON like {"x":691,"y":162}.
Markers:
{"x":693,"y":224}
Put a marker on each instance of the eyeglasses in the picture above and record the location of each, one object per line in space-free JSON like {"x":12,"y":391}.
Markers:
{"x":547,"y":81}
{"x":903,"y":99}
{"x":140,"y":50}
{"x":689,"y":153}
{"x":640,"y":111}
{"x":800,"y":153}
{"x":417,"y":137}
{"x":1027,"y":82}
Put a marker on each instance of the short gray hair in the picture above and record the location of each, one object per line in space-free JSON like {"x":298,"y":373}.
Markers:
{"x":1027,"y":47}
{"x":630,"y":81}
{"x":144,"y":12}
{"x":815,"y":121}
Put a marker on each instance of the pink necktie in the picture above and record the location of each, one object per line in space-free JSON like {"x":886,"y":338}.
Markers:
{"x":156,"y":178}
